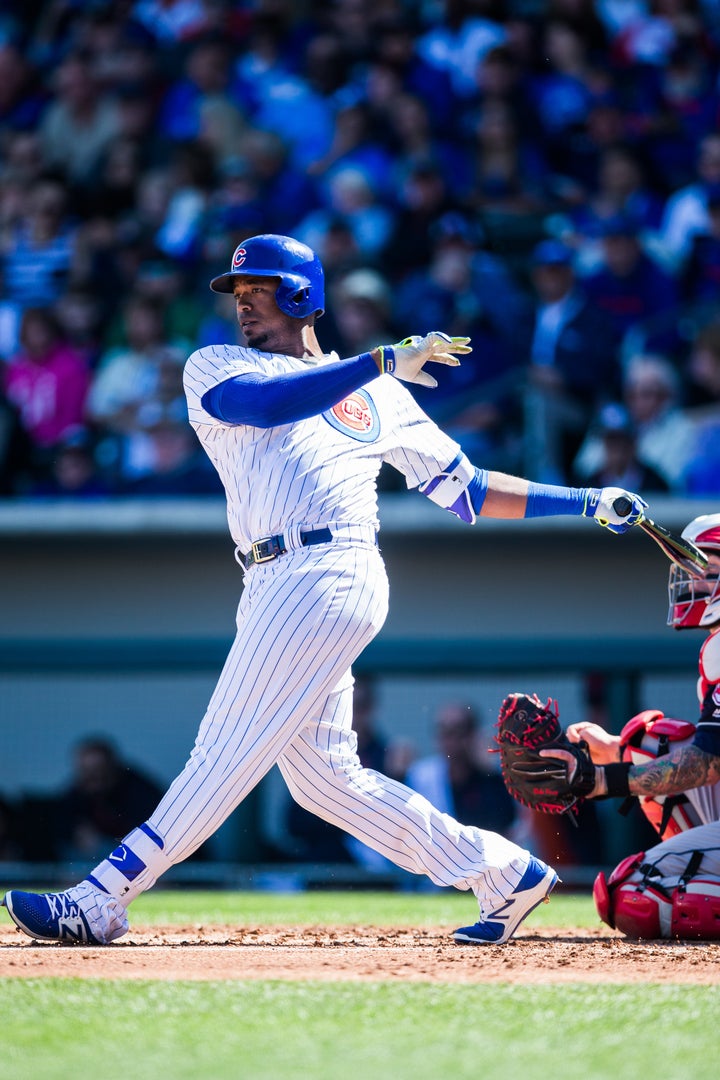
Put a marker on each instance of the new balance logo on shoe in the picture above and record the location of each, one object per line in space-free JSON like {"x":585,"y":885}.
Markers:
{"x":49,"y":917}
{"x":534,"y":888}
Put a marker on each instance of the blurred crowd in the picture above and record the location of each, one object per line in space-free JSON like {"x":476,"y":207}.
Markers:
{"x":542,"y":176}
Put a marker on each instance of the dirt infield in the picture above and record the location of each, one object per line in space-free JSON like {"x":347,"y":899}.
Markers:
{"x":364,"y":953}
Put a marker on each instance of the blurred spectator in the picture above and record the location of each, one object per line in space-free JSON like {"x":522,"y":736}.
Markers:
{"x":129,"y":376}
{"x":81,"y":316}
{"x":649,"y":32}
{"x":572,"y":365}
{"x":23,"y":161}
{"x":200,"y":103}
{"x":72,"y":470}
{"x":281,"y":100}
{"x":621,"y":188}
{"x":423,"y":197}
{"x":629,"y":286}
{"x":165,"y":283}
{"x":458,"y":42}
{"x":620,"y":465}
{"x":651,"y":394}
{"x":461,"y":778}
{"x":164,"y":457}
{"x":395,"y":57}
{"x":356,"y":148}
{"x":362,"y":313}
{"x":702,"y":468}
{"x":104,"y":797}
{"x":172,"y":22}
{"x":467,"y":290}
{"x":508,"y":171}
{"x":22,"y":98}
{"x":47,"y":381}
{"x":39,"y":248}
{"x":700,"y":278}
{"x":686,"y":210}
{"x":416,"y":144}
{"x":565,"y":89}
{"x":79,"y":124}
{"x":180,"y":234}
{"x":351,"y":198}
{"x":288,"y":194}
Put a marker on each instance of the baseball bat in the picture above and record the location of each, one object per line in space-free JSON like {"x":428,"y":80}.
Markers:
{"x":678,"y":550}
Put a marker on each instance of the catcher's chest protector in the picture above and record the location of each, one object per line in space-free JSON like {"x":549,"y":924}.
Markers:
{"x":648,"y":736}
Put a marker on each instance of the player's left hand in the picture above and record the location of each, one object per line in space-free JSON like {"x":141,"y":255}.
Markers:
{"x":599,"y":505}
{"x":406,"y":359}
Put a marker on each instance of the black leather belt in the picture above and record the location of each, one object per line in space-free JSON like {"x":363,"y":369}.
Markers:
{"x":270,"y":547}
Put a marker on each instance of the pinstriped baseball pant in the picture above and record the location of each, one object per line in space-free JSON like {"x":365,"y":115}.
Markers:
{"x":285,"y":696}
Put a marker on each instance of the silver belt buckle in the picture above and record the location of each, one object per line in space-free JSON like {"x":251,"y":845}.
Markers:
{"x":256,"y":551}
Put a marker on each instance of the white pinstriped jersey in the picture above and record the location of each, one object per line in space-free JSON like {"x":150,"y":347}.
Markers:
{"x":315,"y":471}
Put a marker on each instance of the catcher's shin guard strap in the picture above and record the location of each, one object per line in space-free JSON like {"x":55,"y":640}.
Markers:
{"x":617,"y":777}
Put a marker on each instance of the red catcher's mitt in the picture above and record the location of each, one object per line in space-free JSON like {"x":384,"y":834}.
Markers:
{"x":525,"y":727}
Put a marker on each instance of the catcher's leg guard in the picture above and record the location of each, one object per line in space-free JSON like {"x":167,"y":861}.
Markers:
{"x":637,"y":908}
{"x":696,"y":911}
{"x":639,"y":902}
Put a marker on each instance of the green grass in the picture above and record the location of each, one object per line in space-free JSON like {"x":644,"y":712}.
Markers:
{"x":56,"y":1029}
{"x":53,"y":1030}
{"x":344,"y":908}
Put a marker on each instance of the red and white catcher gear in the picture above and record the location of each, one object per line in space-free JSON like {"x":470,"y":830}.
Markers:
{"x":637,"y":900}
{"x":695,"y":601}
{"x":649,"y":735}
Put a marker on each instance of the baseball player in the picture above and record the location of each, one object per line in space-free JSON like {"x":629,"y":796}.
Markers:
{"x":298,"y":439}
{"x":673,"y":767}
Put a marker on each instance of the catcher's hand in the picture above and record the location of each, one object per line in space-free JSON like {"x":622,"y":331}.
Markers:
{"x":406,"y":359}
{"x":541,"y":768}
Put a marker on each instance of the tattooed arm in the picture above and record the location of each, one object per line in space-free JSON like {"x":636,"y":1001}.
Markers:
{"x":683,"y":769}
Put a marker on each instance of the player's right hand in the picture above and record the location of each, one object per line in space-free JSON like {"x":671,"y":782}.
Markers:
{"x":599,"y":504}
{"x":406,"y":359}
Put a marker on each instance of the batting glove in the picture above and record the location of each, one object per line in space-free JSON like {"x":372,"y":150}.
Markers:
{"x":599,"y":504}
{"x":406,"y":359}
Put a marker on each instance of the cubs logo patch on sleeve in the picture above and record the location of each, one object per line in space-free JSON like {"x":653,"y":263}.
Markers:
{"x":356,"y":416}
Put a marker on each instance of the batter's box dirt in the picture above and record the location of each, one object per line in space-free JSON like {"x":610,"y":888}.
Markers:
{"x":364,"y":953}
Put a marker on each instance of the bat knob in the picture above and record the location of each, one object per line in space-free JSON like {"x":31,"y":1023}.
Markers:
{"x":622,"y":506}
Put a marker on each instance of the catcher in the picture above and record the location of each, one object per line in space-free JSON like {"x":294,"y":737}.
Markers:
{"x":673,"y":767}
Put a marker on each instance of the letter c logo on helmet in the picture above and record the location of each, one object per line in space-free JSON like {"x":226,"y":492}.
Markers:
{"x":301,"y":286}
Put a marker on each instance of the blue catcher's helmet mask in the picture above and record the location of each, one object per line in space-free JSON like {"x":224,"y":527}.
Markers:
{"x":301,"y":291}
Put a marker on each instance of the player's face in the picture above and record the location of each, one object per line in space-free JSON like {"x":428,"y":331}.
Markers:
{"x":264,"y":326}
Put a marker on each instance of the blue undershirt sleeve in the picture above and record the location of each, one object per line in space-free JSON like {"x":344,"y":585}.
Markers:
{"x":547,"y":500}
{"x":270,"y":400}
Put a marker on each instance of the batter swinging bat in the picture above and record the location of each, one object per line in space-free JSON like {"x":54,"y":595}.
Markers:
{"x":678,"y":550}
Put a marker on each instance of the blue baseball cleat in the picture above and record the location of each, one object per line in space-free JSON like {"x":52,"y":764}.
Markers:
{"x":534,"y":887}
{"x":83,"y":915}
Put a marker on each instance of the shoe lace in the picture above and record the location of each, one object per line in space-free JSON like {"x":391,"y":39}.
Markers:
{"x":61,"y":907}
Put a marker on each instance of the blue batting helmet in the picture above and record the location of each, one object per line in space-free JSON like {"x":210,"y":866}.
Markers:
{"x":301,"y":291}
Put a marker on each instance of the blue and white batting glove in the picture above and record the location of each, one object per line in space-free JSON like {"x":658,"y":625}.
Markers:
{"x":614,"y":508}
{"x":406,"y":359}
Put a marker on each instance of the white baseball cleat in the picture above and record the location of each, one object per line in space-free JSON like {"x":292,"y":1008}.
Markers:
{"x":534,"y":888}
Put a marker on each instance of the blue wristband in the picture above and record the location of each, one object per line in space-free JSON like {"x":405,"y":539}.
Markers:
{"x":548,"y":500}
